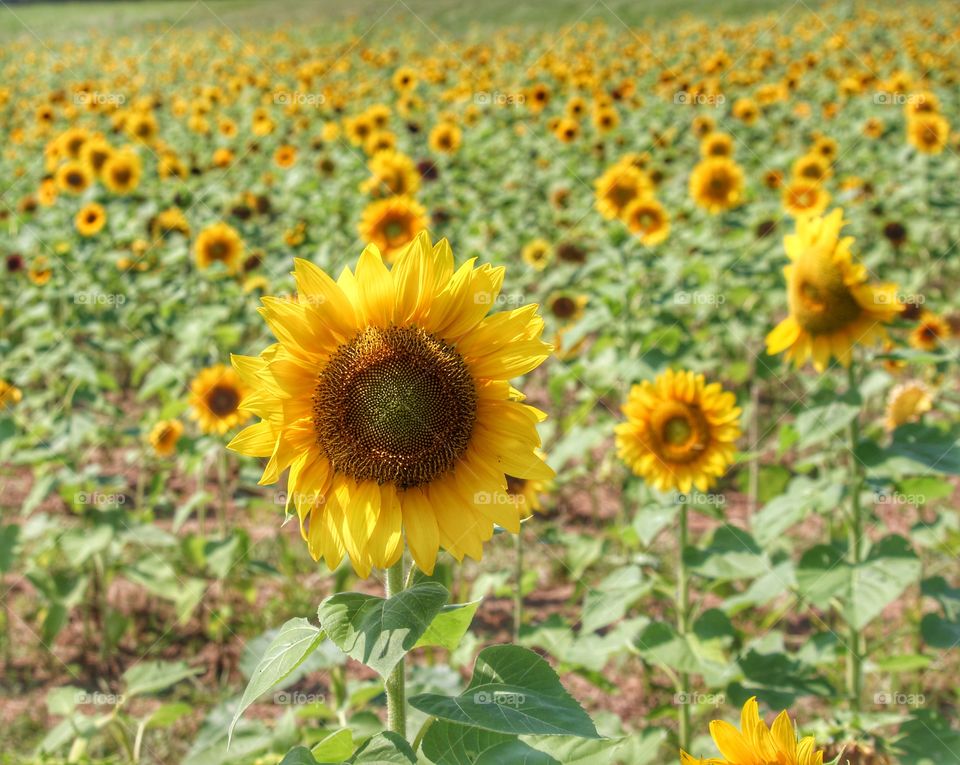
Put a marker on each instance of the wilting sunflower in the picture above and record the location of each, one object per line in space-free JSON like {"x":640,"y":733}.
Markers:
{"x":716,"y":184}
{"x":536,"y":254}
{"x":928,"y":132}
{"x":121,"y":171}
{"x":164,"y":436}
{"x":392,"y":223}
{"x":679,"y":432}
{"x":219,"y":243}
{"x":906,"y":403}
{"x":802,"y":197}
{"x":9,"y":394}
{"x":930,"y":332}
{"x":648,"y":220}
{"x":618,"y":187}
{"x":756,"y":744}
{"x":388,"y":398}
{"x":832,"y":308}
{"x":73,"y":177}
{"x":215,"y":396}
{"x":90,"y":219}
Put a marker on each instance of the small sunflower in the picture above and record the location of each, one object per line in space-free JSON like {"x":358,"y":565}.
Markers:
{"x":285,"y":156}
{"x":716,"y":184}
{"x":388,"y":398}
{"x":928,"y":132}
{"x":648,"y":220}
{"x":392,"y":223}
{"x":10,"y":394}
{"x":812,"y":167}
{"x":393,"y":174}
{"x":445,"y":138}
{"x":832,"y":307}
{"x":618,"y":187}
{"x":215,"y":397}
{"x":90,"y":219}
{"x":73,"y":177}
{"x":756,"y":744}
{"x":121,"y":172}
{"x":219,"y":243}
{"x":164,"y":436}
{"x":40,"y":270}
{"x":930,"y":332}
{"x":906,"y":403}
{"x":802,"y":197}
{"x":679,"y":431}
{"x":716,"y":145}
{"x":567,"y":308}
{"x":536,"y":254}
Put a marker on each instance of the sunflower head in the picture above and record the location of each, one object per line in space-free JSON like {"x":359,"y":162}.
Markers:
{"x":387,"y":396}
{"x":445,"y":138}
{"x":618,"y":187}
{"x":679,"y":431}
{"x":73,"y":177}
{"x":393,"y":174}
{"x":803,"y":197}
{"x":536,"y":254}
{"x":215,"y":396}
{"x":90,"y":219}
{"x":928,"y":132}
{"x":716,"y":184}
{"x":648,"y":220}
{"x":907,"y":402}
{"x":392,"y":223}
{"x":9,"y":394}
{"x":164,"y":436}
{"x":930,"y":332}
{"x":219,"y":243}
{"x":121,"y":171}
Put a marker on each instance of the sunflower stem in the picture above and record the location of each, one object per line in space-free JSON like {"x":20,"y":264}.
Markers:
{"x":683,"y":609}
{"x":222,"y":472}
{"x":855,"y":645}
{"x":395,"y":683}
{"x":518,"y":584}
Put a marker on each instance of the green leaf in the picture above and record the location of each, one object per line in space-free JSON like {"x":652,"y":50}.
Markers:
{"x":612,"y":597}
{"x":516,"y":753}
{"x":927,"y":739}
{"x":513,"y":690}
{"x":167,"y":715}
{"x":639,"y":748}
{"x":930,"y":446}
{"x":299,"y":755}
{"x":9,"y":536}
{"x":153,"y":676}
{"x":447,"y":743}
{"x":819,"y":423}
{"x":449,"y":626}
{"x":732,"y":554}
{"x":336,"y":747}
{"x":939,"y":632}
{"x":295,"y":641}
{"x":379,"y":632}
{"x":386,"y":748}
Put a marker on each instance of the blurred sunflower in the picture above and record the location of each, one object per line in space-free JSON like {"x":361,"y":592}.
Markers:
{"x":679,"y":431}
{"x":802,"y":197}
{"x":285,"y":156}
{"x":906,"y":403}
{"x":388,"y":398}
{"x":812,"y":167}
{"x":618,"y":187}
{"x":164,"y":436}
{"x":121,"y":171}
{"x":832,"y":308}
{"x":930,"y":332}
{"x":215,"y":396}
{"x":74,"y":177}
{"x":928,"y":132}
{"x":536,"y":254}
{"x":393,"y":174}
{"x":716,"y":184}
{"x":90,"y":219}
{"x":445,"y":138}
{"x":567,"y":308}
{"x":716,"y":145}
{"x":219,"y":243}
{"x":392,"y":223}
{"x":40,"y":270}
{"x":647,"y":219}
{"x":9,"y":394}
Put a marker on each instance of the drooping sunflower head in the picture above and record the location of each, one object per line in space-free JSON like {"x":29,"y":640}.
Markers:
{"x":164,"y":436}
{"x":392,"y":223}
{"x":907,"y":402}
{"x":679,"y":431}
{"x":648,"y":220}
{"x":219,"y":243}
{"x":716,"y":184}
{"x":387,"y":396}
{"x":618,"y":187}
{"x":832,"y":307}
{"x":215,"y":396}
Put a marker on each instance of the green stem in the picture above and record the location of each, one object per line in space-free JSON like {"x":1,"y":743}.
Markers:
{"x":855,"y":647}
{"x":222,"y":471}
{"x":518,"y":586}
{"x":396,"y":693}
{"x":683,"y":610}
{"x":418,"y":739}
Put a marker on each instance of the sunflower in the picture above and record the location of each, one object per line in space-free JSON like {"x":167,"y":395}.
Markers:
{"x":95,"y":153}
{"x":716,"y":145}
{"x":215,"y":397}
{"x":680,"y":432}
{"x":716,"y":184}
{"x":168,"y":222}
{"x":648,"y":220}
{"x":812,"y":167}
{"x":445,"y":138}
{"x":121,"y":172}
{"x":756,"y":744}
{"x":928,"y":132}
{"x":74,"y":177}
{"x":404,"y":79}
{"x":832,"y":308}
{"x":566,"y":130}
{"x":392,"y":223}
{"x":930,"y":332}
{"x":567,"y":308}
{"x":40,"y":270}
{"x":219,"y":243}
{"x":526,"y":493}
{"x":618,"y":187}
{"x":803,"y":197}
{"x":10,"y":394}
{"x":536,"y":254}
{"x":90,"y":219}
{"x":164,"y":436}
{"x":906,"y":403}
{"x":746,"y":110}
{"x":387,"y":395}
{"x":285,"y":156}
{"x":394,"y":173}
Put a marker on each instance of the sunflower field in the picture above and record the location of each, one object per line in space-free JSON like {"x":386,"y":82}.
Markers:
{"x":480,"y":384}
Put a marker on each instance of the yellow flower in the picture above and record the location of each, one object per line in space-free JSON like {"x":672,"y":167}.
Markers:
{"x":536,"y":254}
{"x":73,"y":177}
{"x":9,"y":394}
{"x":812,"y":167}
{"x":804,"y":197}
{"x":746,"y":110}
{"x":716,"y":145}
{"x":387,"y":396}
{"x":679,"y":431}
{"x":930,"y":332}
{"x":567,"y":130}
{"x":90,"y":219}
{"x":215,"y":396}
{"x":40,"y":270}
{"x":567,"y":308}
{"x":906,"y":403}
{"x":121,"y":171}
{"x":394,"y":173}
{"x":285,"y":156}
{"x":716,"y":184}
{"x":95,"y":153}
{"x":392,"y":223}
{"x":445,"y":137}
{"x":404,"y":79}
{"x":832,"y":308}
{"x":928,"y":132}
{"x":620,"y":185}
{"x":648,"y":220}
{"x":756,"y":744}
{"x":164,"y":436}
{"x":219,"y":243}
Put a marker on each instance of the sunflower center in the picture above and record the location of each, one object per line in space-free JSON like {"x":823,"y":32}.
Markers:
{"x":395,"y":405}
{"x":680,"y":432}
{"x":218,"y":250}
{"x":676,"y":431}
{"x":564,"y":307}
{"x":719,"y":185}
{"x":819,"y":299}
{"x":394,"y":229}
{"x":223,"y":400}
{"x":621,"y":195}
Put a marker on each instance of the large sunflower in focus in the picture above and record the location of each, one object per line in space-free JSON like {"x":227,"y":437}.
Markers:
{"x":392,"y":223}
{"x":215,"y":396}
{"x":832,"y":308}
{"x":387,"y":396}
{"x":679,"y":432}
